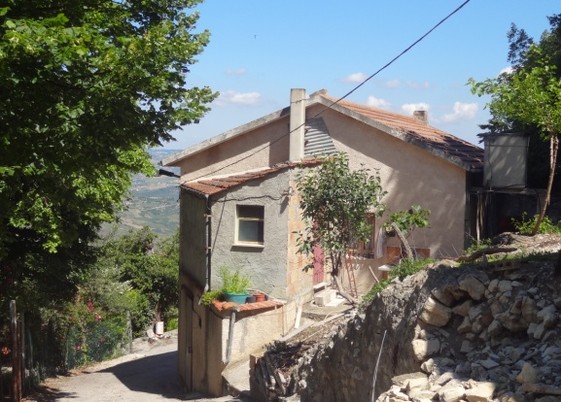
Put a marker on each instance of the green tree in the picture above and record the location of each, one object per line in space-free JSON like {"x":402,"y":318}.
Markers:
{"x":335,"y":201}
{"x":404,"y":222}
{"x":525,"y":100}
{"x":150,"y":267}
{"x":85,"y":87}
{"x":531,"y":96}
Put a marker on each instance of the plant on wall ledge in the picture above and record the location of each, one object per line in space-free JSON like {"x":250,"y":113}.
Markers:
{"x":234,"y":282}
{"x":209,"y":296}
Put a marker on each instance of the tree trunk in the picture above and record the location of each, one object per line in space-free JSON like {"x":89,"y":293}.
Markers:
{"x":335,"y":271}
{"x":403,"y":241}
{"x":553,"y":148}
{"x":342,"y":291}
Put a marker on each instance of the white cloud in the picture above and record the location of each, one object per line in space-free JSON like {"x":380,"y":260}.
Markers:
{"x":378,"y":102}
{"x":462,"y":111}
{"x":392,"y":84}
{"x":409,"y":108}
{"x":355,"y":77}
{"x":238,"y":98}
{"x":237,"y":71}
{"x":506,"y":70}
{"x":418,"y":85}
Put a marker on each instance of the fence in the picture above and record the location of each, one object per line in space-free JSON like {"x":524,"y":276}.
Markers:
{"x":31,"y":350}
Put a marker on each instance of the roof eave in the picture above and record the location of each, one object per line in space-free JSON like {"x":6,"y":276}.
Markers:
{"x":401,"y":135}
{"x":175,"y":159}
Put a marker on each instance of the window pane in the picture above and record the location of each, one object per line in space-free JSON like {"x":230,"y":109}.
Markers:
{"x":250,"y":231}
{"x":250,"y":211}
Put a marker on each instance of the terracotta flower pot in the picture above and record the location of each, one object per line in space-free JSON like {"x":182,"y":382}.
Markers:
{"x":259,"y":297}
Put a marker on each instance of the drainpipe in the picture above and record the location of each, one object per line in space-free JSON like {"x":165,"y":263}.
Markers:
{"x":231,"y":335}
{"x":208,"y":249}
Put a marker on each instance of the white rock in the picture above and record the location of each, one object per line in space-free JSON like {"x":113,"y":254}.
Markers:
{"x":548,"y":316}
{"x":493,"y":285}
{"x":472,"y":286}
{"x":424,"y":348}
{"x":435,"y":313}
{"x":528,"y":374}
{"x":465,"y":326}
{"x":505,"y":286}
{"x":489,"y":364}
{"x":480,"y":392}
{"x":463,"y":308}
{"x":451,"y":393}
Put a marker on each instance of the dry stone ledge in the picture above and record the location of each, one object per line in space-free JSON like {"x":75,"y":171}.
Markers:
{"x":435,"y":313}
{"x":469,"y":334}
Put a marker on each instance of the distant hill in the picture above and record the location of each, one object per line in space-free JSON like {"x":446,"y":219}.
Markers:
{"x":153,"y":202}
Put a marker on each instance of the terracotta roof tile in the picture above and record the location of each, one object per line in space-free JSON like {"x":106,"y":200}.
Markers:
{"x":218,"y":184}
{"x":421,"y":133}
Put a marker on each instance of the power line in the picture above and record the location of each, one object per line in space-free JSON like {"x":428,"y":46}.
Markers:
{"x":263,"y":147}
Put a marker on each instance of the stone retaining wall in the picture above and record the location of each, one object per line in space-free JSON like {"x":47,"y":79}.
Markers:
{"x":452,"y":334}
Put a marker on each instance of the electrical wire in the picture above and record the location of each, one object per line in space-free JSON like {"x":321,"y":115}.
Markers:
{"x":263,"y":147}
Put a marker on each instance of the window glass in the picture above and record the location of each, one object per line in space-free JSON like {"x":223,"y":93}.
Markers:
{"x":250,"y":224}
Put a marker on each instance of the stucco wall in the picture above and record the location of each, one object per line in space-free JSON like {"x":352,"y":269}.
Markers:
{"x":252,"y":331}
{"x":410,"y":176}
{"x":266,"y":265}
{"x":260,"y":148}
{"x":192,"y":241}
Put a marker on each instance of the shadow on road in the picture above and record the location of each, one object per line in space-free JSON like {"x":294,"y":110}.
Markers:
{"x":152,"y":374}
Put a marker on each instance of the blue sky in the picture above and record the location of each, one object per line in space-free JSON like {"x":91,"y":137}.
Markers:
{"x":259,"y":49}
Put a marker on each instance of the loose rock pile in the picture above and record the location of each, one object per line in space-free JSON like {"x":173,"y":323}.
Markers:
{"x":481,"y":338}
{"x":482,"y":332}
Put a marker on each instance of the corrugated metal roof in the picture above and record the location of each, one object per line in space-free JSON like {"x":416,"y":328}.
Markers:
{"x":317,"y":140}
{"x":219,"y":184}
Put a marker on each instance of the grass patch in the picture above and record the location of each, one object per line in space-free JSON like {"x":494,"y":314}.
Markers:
{"x":402,"y":270}
{"x":525,"y":226}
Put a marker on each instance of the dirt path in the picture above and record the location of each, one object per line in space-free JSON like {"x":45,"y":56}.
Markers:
{"x":149,"y":374}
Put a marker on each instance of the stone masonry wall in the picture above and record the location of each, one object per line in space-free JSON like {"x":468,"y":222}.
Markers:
{"x":452,"y":334}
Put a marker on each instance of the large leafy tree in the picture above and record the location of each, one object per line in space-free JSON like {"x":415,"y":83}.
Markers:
{"x":530,"y":96}
{"x":335,"y":201}
{"x":85,"y":87}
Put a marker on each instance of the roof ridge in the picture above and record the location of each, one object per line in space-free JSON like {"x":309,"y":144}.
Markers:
{"x":411,"y":118}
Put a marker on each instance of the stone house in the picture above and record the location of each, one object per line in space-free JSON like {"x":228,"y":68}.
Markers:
{"x":239,"y":208}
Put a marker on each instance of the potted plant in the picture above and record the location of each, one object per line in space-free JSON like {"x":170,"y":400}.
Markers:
{"x":209,"y":296}
{"x":234,"y":285}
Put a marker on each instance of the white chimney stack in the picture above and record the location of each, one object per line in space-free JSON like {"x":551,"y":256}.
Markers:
{"x":297,"y":124}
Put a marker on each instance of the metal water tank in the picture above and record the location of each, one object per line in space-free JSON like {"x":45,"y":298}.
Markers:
{"x":505,"y":160}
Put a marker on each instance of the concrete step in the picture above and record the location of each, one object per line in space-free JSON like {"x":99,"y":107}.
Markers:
{"x":325,"y":297}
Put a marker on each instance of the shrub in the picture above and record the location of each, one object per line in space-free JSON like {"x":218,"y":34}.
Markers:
{"x":526,"y":225}
{"x":234,"y":281}
{"x":402,"y":270}
{"x":208,"y":297}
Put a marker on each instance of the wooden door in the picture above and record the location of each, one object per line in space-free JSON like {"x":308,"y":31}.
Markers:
{"x":318,"y":264}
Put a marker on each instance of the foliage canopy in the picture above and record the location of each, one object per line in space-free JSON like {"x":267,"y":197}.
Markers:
{"x":529,"y":96}
{"x":335,"y":201}
{"x":85,"y":87}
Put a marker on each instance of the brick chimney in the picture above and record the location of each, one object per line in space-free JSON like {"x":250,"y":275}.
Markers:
{"x":297,"y":120}
{"x":421,"y":115}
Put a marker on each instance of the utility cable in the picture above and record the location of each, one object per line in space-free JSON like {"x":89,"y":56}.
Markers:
{"x":263,"y":147}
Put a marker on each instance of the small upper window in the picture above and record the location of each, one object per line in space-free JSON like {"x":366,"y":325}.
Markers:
{"x":250,"y":224}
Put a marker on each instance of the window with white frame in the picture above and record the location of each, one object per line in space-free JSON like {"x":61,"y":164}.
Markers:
{"x":250,"y":224}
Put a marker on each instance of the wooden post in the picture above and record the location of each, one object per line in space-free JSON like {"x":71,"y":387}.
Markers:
{"x":16,"y":354}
